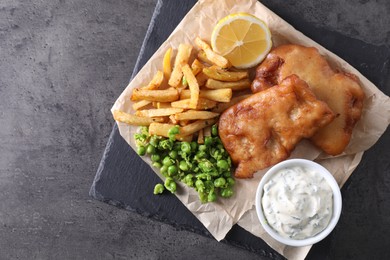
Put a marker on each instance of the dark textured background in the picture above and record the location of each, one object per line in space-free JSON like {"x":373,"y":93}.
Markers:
{"x":62,"y":65}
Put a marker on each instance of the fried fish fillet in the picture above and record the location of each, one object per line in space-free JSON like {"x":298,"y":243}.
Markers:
{"x":264,"y":128}
{"x":341,"y":91}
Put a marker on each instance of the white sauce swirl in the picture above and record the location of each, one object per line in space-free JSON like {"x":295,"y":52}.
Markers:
{"x":297,"y":202}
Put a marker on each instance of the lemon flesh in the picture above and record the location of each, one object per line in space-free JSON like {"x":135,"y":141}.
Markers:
{"x":242,"y":38}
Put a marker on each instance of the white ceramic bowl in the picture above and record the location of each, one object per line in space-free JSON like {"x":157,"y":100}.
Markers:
{"x":337,"y":202}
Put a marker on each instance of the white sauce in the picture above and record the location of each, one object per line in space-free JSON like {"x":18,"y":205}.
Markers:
{"x":297,"y":202}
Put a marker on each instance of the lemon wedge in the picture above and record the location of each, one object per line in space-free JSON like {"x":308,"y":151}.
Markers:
{"x":241,"y":38}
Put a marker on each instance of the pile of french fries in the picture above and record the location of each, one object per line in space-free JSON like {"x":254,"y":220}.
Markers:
{"x":191,"y":96}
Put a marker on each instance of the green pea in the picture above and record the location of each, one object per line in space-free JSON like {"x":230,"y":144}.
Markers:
{"x":208,"y":184}
{"x":220,"y":182}
{"x":174,"y":130}
{"x":195,"y":168}
{"x":150,"y":149}
{"x":188,"y":179}
{"x":208,"y":140}
{"x":164,"y":169}
{"x":186,"y":147}
{"x":155,"y":157}
{"x":182,"y":155}
{"x":202,"y":197}
{"x":165,"y":144}
{"x":212,"y":196}
{"x":226,"y":192}
{"x":154,"y":141}
{"x":194,"y":146}
{"x":183,"y":166}
{"x":201,"y":154}
{"x":214,"y":130}
{"x":222,"y":164}
{"x":202,"y":148}
{"x":214,"y":152}
{"x":170,"y":184}
{"x":173,"y":154}
{"x":199,"y":185}
{"x":141,"y":150}
{"x":229,"y":161}
{"x":158,"y":189}
{"x":144,"y":130}
{"x":172,"y":170}
{"x":157,"y":164}
{"x":172,"y":187}
{"x":177,"y":146}
{"x":209,"y":171}
{"x":206,"y":166}
{"x":227,"y":174}
{"x":201,"y":176}
{"x":230,"y":181}
{"x":167,"y":161}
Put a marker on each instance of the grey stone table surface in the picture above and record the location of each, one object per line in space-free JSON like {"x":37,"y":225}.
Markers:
{"x":62,"y":65}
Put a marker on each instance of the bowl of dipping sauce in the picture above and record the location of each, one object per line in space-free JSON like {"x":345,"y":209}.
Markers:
{"x":298,"y":202}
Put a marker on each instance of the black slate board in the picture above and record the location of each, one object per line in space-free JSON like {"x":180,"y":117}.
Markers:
{"x":124,"y":180}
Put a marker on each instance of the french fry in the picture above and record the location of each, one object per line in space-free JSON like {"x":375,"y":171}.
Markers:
{"x":141,"y":104}
{"x":162,"y":105}
{"x":187,"y":138}
{"x":160,"y":129}
{"x":167,"y":68}
{"x":166,"y":101}
{"x":184,"y":103}
{"x":201,"y":78}
{"x":196,"y":67}
{"x":219,"y":95}
{"x":203,"y":104}
{"x":212,"y":56}
{"x":173,"y":119}
{"x":184,"y":122}
{"x":161,"y":119}
{"x":182,"y":57}
{"x":165,"y":95}
{"x":223,"y":75}
{"x":237,"y":85}
{"x":132,"y":119}
{"x":158,"y":112}
{"x":200,"y":137}
{"x":207,"y":131}
{"x":156,"y":81}
{"x":193,"y":85}
{"x":163,"y":130}
{"x":195,"y":115}
{"x":195,"y":127}
{"x":203,"y":58}
{"x":220,"y":107}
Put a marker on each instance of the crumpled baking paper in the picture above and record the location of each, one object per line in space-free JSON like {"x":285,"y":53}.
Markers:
{"x":219,"y":217}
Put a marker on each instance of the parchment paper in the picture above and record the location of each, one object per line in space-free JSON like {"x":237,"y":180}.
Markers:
{"x":219,"y":217}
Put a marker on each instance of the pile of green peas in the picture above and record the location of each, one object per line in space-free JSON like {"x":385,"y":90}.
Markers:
{"x":204,"y":167}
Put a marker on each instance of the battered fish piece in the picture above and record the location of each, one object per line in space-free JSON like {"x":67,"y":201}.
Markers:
{"x":264,"y":128}
{"x":341,"y":91}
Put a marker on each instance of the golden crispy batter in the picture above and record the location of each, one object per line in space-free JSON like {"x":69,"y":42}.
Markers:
{"x":264,"y":128}
{"x":341,"y":91}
